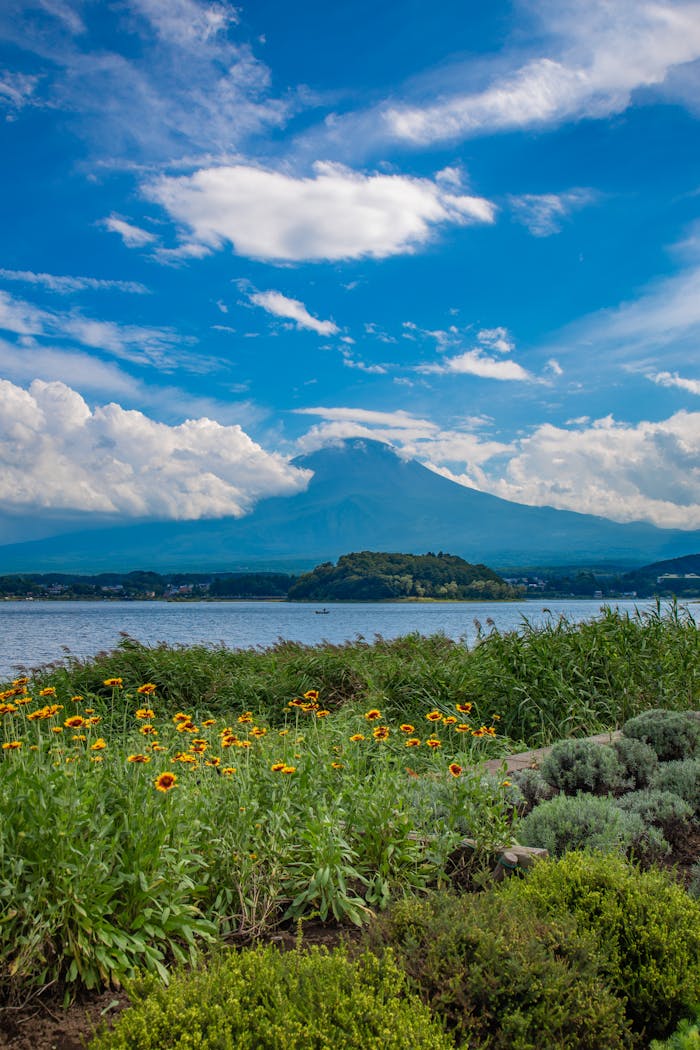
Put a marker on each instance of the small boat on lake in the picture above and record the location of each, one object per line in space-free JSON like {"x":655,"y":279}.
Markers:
{"x":322,"y":612}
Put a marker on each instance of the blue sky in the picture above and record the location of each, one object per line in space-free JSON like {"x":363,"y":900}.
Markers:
{"x":234,"y":234}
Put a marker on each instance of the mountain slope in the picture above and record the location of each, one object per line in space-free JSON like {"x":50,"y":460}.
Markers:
{"x":362,"y":497}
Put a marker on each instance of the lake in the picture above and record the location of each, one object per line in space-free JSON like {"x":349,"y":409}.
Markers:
{"x":38,"y":632}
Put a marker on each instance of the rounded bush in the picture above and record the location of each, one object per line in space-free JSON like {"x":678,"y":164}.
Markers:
{"x":638,"y":761}
{"x":264,"y":999}
{"x":581,"y":765}
{"x":533,"y":787}
{"x":672,"y":734}
{"x":501,"y":976}
{"x":682,"y":778}
{"x":570,"y":822}
{"x":660,"y":809}
{"x":646,"y":926}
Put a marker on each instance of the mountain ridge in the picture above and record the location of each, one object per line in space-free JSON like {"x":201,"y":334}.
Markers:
{"x":362,"y":496}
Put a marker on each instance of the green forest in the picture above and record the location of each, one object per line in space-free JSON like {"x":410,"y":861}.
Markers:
{"x":371,"y":576}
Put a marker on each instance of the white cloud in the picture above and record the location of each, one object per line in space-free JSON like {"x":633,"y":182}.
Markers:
{"x":133,"y":236}
{"x":476,"y":363}
{"x":597,"y":54}
{"x":17,"y":89}
{"x":544,"y":213}
{"x":64,"y":285}
{"x":159,"y":347}
{"x":280,"y":306}
{"x":57,"y":454}
{"x":627,"y":472}
{"x":335,"y":214}
{"x":673,"y":379}
{"x":496,"y":339}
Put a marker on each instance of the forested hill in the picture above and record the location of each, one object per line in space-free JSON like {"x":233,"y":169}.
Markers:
{"x":370,"y":576}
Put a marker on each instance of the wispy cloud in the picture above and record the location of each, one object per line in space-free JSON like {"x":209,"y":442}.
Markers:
{"x":17,"y":89}
{"x":596,"y":56}
{"x":336,"y":213}
{"x":544,"y":213}
{"x":65,"y":285}
{"x":477,"y":363}
{"x":133,"y":236}
{"x":281,"y":306}
{"x":672,"y":379}
{"x":122,"y":464}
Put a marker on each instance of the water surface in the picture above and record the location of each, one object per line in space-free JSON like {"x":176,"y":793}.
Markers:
{"x":38,"y":632}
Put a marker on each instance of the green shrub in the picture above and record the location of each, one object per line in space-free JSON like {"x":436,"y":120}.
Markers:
{"x":646,"y":925}
{"x":533,"y":787}
{"x":686,"y":1036}
{"x":660,"y":809}
{"x":681,"y":777}
{"x":637,"y":759}
{"x":502,"y":977}
{"x":264,"y":999}
{"x":694,"y":884}
{"x":581,"y":765}
{"x":672,"y":734}
{"x":570,"y":822}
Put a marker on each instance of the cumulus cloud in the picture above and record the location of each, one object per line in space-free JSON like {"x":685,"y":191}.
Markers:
{"x":544,"y":213}
{"x":280,"y":306}
{"x":65,"y":285}
{"x":627,"y":472}
{"x":673,"y":379}
{"x":335,"y":214}
{"x":58,"y":454}
{"x":595,"y":55}
{"x":647,"y":471}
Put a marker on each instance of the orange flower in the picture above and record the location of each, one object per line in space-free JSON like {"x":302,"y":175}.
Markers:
{"x":455,"y":769}
{"x":277,"y":767}
{"x":116,"y":683}
{"x":181,"y":717}
{"x":406,"y":728}
{"x":208,"y":722}
{"x":381,"y":733}
{"x":76,"y":699}
{"x":288,"y":769}
{"x":145,"y":712}
{"x":213,"y":762}
{"x":464,"y":709}
{"x":148,"y":730}
{"x":432,"y":742}
{"x":311,"y":694}
{"x":49,"y":691}
{"x":322,"y":714}
{"x":463,"y":727}
{"x":99,"y":745}
{"x":12,"y":745}
{"x":228,"y":771}
{"x":434,"y":716}
{"x":373,"y":715}
{"x":165,"y":782}
{"x":246,"y":717}
{"x":258,"y":731}
{"x":139,"y":758}
{"x":413,"y":741}
{"x":356,"y":737}
{"x":147,"y":689}
{"x":449,"y":720}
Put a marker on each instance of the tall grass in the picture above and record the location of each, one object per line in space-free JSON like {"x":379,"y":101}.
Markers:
{"x":545,"y":682}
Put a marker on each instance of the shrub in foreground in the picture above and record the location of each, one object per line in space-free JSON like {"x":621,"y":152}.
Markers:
{"x":638,"y":761}
{"x":501,"y":976}
{"x":264,"y":999}
{"x":682,"y":778}
{"x":660,"y":809}
{"x":686,"y":1036}
{"x":646,"y":925}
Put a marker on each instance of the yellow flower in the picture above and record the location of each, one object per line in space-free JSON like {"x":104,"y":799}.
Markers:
{"x":434,"y":716}
{"x":79,"y":737}
{"x":116,"y":683}
{"x":449,"y":720}
{"x":165,"y":782}
{"x":381,"y":733}
{"x":139,"y":758}
{"x":242,"y":743}
{"x":373,"y":715}
{"x":99,"y":745}
{"x":57,"y":729}
{"x":288,"y":769}
{"x":199,"y":746}
{"x":413,"y":741}
{"x":145,"y":712}
{"x":311,"y":694}
{"x":356,"y":737}
{"x":12,"y":745}
{"x":258,"y":731}
{"x":464,"y":709}
{"x":157,"y":747}
{"x":322,"y":714}
{"x":49,"y":691}
{"x":463,"y":727}
{"x":183,"y":756}
{"x":147,"y":689}
{"x":229,"y":739}
{"x":455,"y":769}
{"x":76,"y":699}
{"x":432,"y":742}
{"x":506,"y":783}
{"x":209,"y":722}
{"x":74,"y":722}
{"x":148,"y":730}
{"x":283,"y":732}
{"x":181,"y":717}
{"x":407,"y":728}
{"x":186,"y":727}
{"x":216,"y":761}
{"x":336,"y":765}
{"x":277,"y":767}
{"x":228,"y":771}
{"x":246,"y":717}
{"x":7,"y":709}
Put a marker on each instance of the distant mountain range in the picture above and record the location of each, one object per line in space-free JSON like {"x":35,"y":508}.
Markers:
{"x":362,"y":496}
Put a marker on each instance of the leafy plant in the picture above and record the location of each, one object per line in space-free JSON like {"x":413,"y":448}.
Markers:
{"x":682,"y":778}
{"x":500,"y":975}
{"x":646,"y":926}
{"x":264,"y":999}
{"x":574,"y":822}
{"x":660,"y":809}
{"x":672,"y":734}
{"x":637,"y":759}
{"x":581,"y":765}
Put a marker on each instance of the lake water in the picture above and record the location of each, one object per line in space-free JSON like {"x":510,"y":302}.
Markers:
{"x":36,"y":633}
